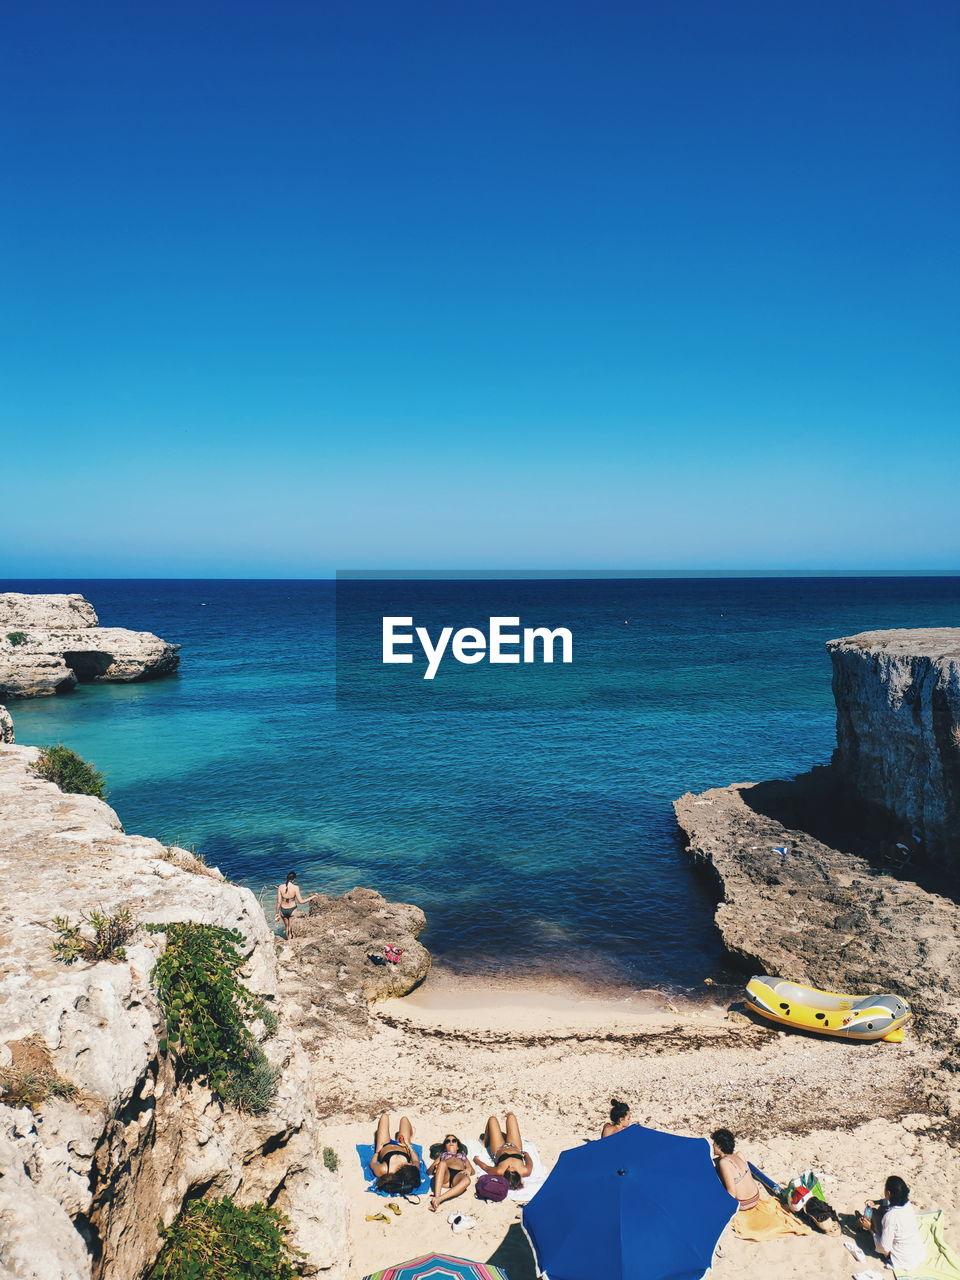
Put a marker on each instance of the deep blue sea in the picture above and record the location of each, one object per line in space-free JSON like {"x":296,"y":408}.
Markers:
{"x":526,"y":809}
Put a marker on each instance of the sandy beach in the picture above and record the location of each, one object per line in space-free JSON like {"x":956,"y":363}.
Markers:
{"x":457,"y":1049}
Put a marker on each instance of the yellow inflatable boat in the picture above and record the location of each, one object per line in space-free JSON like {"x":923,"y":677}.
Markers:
{"x":828,"y":1012}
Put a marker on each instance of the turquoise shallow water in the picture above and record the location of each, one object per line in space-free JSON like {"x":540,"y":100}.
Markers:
{"x":531,"y":821}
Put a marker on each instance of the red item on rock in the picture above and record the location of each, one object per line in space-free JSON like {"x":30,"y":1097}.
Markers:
{"x":393,"y":954}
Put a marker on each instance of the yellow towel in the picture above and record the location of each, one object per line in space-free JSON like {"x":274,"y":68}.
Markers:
{"x":766,"y":1221}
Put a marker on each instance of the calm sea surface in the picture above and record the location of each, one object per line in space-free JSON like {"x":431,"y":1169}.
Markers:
{"x":536,"y":832}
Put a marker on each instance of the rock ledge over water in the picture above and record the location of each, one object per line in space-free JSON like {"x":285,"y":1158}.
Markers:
{"x":49,"y":643}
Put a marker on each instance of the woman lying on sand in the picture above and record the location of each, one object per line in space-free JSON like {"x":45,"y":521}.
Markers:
{"x":893,"y":1224}
{"x":509,"y":1158}
{"x":395,"y":1164}
{"x":619,"y":1118}
{"x":451,"y":1170}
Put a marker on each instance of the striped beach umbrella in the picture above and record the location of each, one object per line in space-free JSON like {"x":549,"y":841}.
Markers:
{"x":439,"y":1266}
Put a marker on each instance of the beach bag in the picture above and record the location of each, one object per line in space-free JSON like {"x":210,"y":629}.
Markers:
{"x":492,"y":1186}
{"x":800,"y":1191}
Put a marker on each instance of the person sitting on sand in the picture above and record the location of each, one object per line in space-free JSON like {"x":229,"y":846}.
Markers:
{"x":395,"y":1164}
{"x":619,"y":1118}
{"x":288,"y":899}
{"x":734,"y":1171}
{"x":893,"y":1224}
{"x":509,"y":1158}
{"x":759,"y":1216}
{"x":451,"y":1170}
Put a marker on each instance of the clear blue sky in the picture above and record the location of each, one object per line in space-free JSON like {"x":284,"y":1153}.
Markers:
{"x":297,"y":286}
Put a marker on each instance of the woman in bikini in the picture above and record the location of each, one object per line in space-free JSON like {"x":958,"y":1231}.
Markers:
{"x":288,"y":899}
{"x":734,"y":1171}
{"x":451,"y":1170}
{"x":619,"y":1118}
{"x":509,"y":1158}
{"x":395,"y":1164}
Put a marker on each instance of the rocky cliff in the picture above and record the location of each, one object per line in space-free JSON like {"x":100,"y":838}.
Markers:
{"x":6,"y":726}
{"x":898,"y":730}
{"x":49,"y":643}
{"x":85,"y":1177}
{"x":796,"y":907}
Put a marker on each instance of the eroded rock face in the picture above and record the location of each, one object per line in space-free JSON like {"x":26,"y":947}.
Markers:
{"x":328,"y":977}
{"x":6,"y":726}
{"x":50,"y":643}
{"x":820,"y":916}
{"x":84,"y":1182}
{"x":898,"y":729}
{"x":45,"y":612}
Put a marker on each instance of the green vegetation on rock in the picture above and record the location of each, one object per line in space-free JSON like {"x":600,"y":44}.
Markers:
{"x":110,"y":935}
{"x":16,"y":638}
{"x":71,"y":773}
{"x":208,"y":1010}
{"x":219,"y":1240}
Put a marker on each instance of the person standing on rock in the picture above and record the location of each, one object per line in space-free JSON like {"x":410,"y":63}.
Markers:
{"x":288,"y":899}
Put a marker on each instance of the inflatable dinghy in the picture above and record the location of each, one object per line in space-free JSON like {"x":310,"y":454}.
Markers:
{"x":828,"y":1012}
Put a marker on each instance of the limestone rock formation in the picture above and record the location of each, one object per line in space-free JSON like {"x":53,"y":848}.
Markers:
{"x":333,"y":967}
{"x":6,"y":726}
{"x":818,"y":915}
{"x":45,"y":612}
{"x":49,"y":643}
{"x":898,"y":729}
{"x":84,"y":1181}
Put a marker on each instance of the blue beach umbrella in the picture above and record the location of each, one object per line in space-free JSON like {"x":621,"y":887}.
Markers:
{"x":639,"y":1205}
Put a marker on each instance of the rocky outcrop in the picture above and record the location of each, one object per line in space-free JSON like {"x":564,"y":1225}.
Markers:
{"x":45,"y":612}
{"x":50,"y":643}
{"x":6,"y":726}
{"x":334,"y":967}
{"x":797,"y":908}
{"x":83,"y":1181}
{"x":898,"y":730}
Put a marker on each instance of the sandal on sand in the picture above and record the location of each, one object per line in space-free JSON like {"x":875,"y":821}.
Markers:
{"x":394,"y":1208}
{"x":377,"y":1217}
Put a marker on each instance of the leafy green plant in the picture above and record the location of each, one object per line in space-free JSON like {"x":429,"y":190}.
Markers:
{"x":270,"y":1022}
{"x":16,"y":638}
{"x":331,"y":1160}
{"x":110,"y":934}
{"x":207,"y":1009}
{"x":219,"y":1240}
{"x":71,"y":773}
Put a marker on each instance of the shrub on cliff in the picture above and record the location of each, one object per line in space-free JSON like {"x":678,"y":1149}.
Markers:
{"x":207,"y":1009}
{"x":110,"y":936}
{"x":71,"y":773}
{"x":219,"y":1240}
{"x":16,"y":638}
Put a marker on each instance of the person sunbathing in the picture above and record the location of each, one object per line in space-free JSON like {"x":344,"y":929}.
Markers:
{"x":893,"y":1224}
{"x":619,"y":1118}
{"x":395,"y":1164}
{"x":509,"y":1158}
{"x":734,"y":1171}
{"x":451,"y":1170}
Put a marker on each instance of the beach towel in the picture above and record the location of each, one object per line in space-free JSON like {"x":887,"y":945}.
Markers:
{"x":941,"y":1263}
{"x":365,"y":1153}
{"x":766,"y":1221}
{"x":531,"y":1185}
